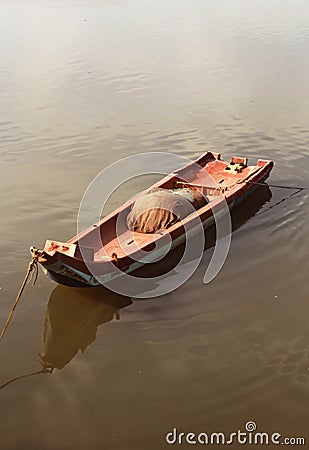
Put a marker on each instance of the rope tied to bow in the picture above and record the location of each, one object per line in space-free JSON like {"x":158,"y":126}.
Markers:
{"x":31,"y":275}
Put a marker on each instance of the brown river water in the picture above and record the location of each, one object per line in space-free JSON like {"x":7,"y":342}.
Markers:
{"x":85,"y":83}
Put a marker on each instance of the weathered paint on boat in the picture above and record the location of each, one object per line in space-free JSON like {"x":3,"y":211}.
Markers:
{"x":64,"y":262}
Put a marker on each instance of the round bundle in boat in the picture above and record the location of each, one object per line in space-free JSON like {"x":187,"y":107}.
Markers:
{"x":161,"y":208}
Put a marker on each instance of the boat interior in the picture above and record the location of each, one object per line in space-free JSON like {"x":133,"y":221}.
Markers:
{"x":110,"y":239}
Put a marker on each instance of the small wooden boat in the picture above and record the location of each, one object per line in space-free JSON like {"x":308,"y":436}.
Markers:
{"x":87,"y":258}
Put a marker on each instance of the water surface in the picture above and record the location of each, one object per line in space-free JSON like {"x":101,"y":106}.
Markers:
{"x":83,"y":84}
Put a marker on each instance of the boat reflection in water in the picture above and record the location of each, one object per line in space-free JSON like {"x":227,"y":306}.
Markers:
{"x":252,"y":206}
{"x":72,"y":318}
{"x":73,"y":314}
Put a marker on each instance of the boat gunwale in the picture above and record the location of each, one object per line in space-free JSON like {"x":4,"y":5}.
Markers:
{"x":229,"y":196}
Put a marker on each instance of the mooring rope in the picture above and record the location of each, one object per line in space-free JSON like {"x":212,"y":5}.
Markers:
{"x":33,"y":266}
{"x":296,"y":188}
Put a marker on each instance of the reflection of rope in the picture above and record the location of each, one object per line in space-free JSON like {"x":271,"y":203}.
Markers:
{"x":46,"y":368}
{"x":33,"y":265}
{"x":279,"y":202}
{"x":24,"y":376}
{"x":297,"y":189}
